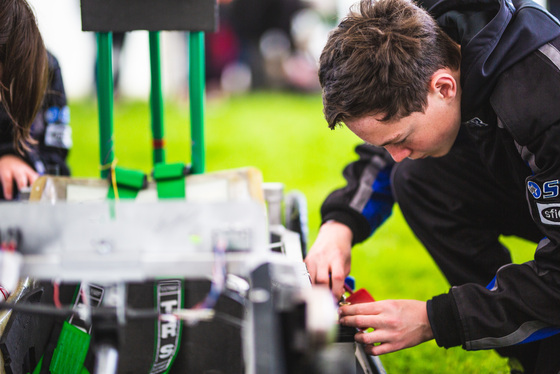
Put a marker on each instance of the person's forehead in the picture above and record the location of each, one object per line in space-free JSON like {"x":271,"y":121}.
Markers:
{"x":375,"y":131}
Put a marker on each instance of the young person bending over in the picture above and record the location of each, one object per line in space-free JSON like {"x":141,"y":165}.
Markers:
{"x":458,"y":106}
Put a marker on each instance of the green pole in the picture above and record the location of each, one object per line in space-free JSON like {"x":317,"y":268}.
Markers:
{"x":105,"y":99}
{"x":156,"y":99}
{"x":196,"y":95}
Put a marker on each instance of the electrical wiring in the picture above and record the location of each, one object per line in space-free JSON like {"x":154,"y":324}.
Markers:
{"x":218,"y":276}
{"x":4,"y":293}
{"x":84,"y":296}
{"x":56,"y":295}
{"x":131,"y":314}
{"x":36,"y":309}
{"x":203,"y":311}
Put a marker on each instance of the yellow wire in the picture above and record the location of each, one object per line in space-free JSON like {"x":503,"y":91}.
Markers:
{"x":114,"y":179}
{"x":112,"y":166}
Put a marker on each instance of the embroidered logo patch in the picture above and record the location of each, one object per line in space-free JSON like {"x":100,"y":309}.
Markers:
{"x":549,"y":213}
{"x":58,"y":136}
{"x":534,"y":189}
{"x":550,"y":189}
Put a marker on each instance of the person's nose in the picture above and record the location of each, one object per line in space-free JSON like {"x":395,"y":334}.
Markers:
{"x":398,"y":153}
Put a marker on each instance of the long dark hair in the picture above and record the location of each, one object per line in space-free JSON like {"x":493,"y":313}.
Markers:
{"x":23,"y":69}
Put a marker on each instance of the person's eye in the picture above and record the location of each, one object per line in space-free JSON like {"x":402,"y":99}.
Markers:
{"x":400,"y":142}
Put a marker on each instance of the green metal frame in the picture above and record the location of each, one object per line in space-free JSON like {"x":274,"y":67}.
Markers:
{"x":196,"y":87}
{"x":156,"y":99}
{"x":196,"y":95}
{"x":105,"y":100}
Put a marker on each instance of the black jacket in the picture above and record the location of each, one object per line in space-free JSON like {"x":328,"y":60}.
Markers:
{"x":510,"y":81}
{"x":50,"y":129}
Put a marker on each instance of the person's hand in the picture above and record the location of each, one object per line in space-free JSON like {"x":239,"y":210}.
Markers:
{"x":13,"y":168}
{"x":397,"y":324}
{"x":328,"y":261}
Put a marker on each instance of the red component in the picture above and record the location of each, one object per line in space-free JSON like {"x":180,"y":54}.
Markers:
{"x":360,"y":296}
{"x":4,"y":293}
{"x":158,"y":143}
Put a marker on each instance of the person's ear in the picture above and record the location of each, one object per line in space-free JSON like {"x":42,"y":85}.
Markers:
{"x":445,"y":84}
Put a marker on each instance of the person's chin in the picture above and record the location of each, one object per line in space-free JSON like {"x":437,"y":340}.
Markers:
{"x":440,"y":152}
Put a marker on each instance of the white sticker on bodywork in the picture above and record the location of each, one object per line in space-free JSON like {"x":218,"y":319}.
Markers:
{"x":58,"y":135}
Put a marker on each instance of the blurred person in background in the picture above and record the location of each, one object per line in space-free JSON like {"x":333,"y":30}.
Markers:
{"x":263,"y":44}
{"x":24,"y":77}
{"x":222,"y":48}
{"x":50,"y":140}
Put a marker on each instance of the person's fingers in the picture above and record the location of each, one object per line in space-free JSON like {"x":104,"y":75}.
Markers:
{"x":362,"y":322}
{"x":25,"y":177}
{"x":6,"y":179}
{"x":312,"y":270}
{"x":396,"y":324}
{"x":21,"y":180}
{"x":328,"y":261}
{"x":13,"y":170}
{"x":380,"y":341}
{"x":32,"y":177}
{"x":322,"y":274}
{"x":373,"y":337}
{"x":360,"y":309}
{"x":380,"y":349}
{"x":337,"y":281}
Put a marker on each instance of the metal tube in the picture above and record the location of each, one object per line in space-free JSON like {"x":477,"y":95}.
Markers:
{"x":106,"y":359}
{"x":156,"y":99}
{"x":196,"y":95}
{"x":105,"y":99}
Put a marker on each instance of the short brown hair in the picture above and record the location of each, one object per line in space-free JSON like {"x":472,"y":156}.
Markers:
{"x":24,"y":73}
{"x":380,"y":59}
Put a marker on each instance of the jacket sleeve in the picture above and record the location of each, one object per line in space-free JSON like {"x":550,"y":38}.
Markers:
{"x":522,"y":303}
{"x":366,"y":201}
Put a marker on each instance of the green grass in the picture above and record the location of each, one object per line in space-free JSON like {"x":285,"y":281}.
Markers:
{"x":286,"y":137}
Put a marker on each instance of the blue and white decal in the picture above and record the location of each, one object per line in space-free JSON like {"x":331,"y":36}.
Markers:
{"x":534,"y":189}
{"x":58,"y":133}
{"x":56,"y":114}
{"x":551,"y":189}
